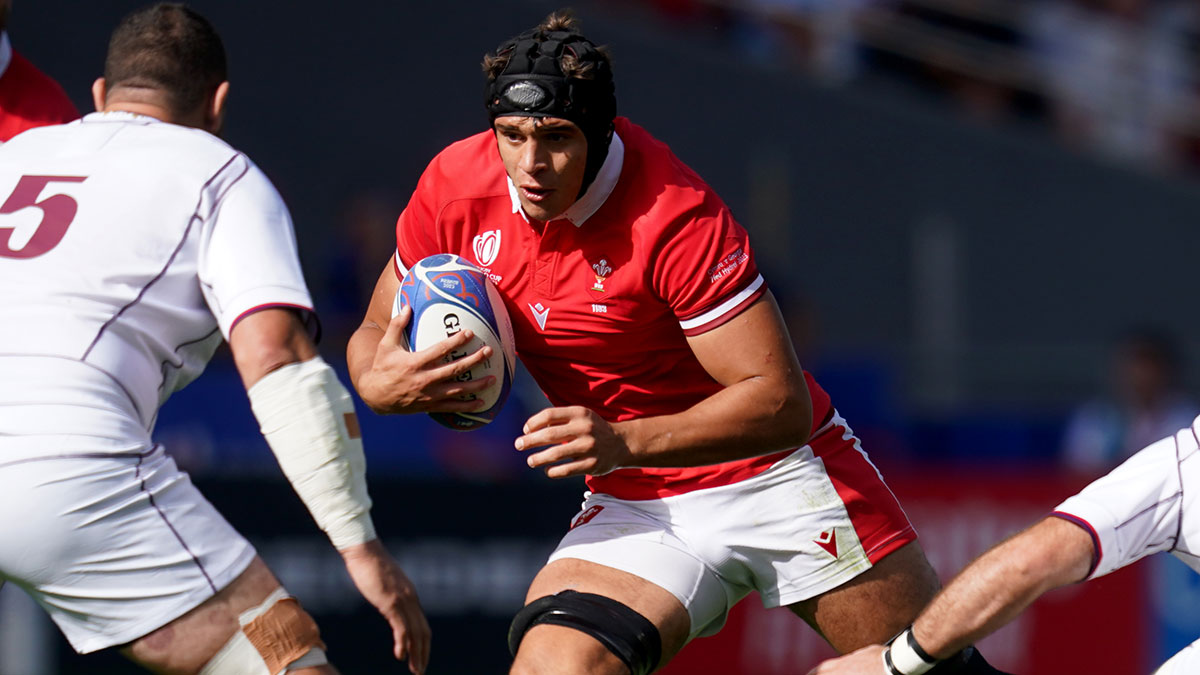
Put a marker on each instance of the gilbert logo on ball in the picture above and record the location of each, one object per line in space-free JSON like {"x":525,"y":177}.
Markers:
{"x":447,"y":295}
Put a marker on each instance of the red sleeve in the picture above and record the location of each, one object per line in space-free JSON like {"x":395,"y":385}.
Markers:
{"x":416,"y":229}
{"x":705,"y":268}
{"x":29,"y":98}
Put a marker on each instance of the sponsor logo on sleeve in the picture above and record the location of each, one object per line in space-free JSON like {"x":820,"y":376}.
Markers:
{"x":727,"y":265}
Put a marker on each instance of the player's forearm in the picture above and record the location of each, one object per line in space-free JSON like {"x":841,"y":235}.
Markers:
{"x":984,"y":598}
{"x":308,"y":419}
{"x":360,"y":355}
{"x":1000,"y":584}
{"x":750,"y":418}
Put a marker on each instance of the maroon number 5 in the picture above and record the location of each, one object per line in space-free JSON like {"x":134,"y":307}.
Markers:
{"x":57,"y":213}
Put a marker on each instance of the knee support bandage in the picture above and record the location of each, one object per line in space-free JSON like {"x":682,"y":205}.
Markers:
{"x":275,"y":637}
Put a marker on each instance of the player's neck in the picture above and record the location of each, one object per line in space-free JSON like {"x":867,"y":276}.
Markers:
{"x":158,"y":111}
{"x":139,"y":108}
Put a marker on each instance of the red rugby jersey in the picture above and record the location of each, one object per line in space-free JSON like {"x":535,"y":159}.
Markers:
{"x":28,"y":97}
{"x":602,"y":299}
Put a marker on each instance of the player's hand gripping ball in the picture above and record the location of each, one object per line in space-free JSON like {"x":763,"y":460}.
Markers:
{"x":448,"y":295}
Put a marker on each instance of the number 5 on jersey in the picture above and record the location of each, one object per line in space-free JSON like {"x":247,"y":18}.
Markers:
{"x":22,"y":240}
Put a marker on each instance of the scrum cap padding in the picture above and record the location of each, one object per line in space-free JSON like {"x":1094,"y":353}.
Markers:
{"x":533,"y":84}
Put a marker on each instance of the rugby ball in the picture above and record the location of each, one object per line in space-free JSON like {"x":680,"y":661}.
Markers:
{"x":447,"y":295}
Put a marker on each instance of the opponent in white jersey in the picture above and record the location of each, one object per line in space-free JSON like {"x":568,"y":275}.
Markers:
{"x":1144,"y":506}
{"x":131,"y":243}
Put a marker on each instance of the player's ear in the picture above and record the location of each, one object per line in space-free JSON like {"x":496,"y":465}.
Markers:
{"x":215,"y":113}
{"x":99,"y":93}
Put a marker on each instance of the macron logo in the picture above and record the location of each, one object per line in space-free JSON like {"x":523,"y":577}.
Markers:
{"x":540,"y":313}
{"x":828,"y":541}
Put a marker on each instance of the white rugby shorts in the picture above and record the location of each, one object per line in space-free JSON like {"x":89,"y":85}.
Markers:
{"x":814,"y":520}
{"x":113,"y":547}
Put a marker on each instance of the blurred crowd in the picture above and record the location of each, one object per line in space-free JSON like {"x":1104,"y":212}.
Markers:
{"x":1114,"y":77}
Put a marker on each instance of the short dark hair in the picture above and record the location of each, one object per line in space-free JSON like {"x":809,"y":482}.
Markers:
{"x":167,"y":47}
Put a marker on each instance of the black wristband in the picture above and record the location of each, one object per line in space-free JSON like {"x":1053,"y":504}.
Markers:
{"x":912,"y":642}
{"x":904,"y":656}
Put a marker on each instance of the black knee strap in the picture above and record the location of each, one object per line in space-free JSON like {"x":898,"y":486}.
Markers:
{"x":624,"y":632}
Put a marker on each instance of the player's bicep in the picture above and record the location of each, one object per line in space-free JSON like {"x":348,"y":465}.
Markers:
{"x":753,"y":344}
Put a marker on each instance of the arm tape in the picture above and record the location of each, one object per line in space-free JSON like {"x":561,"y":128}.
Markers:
{"x":304,"y":413}
{"x":905,"y":657}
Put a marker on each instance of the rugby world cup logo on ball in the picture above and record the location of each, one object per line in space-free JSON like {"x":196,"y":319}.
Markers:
{"x":447,"y":295}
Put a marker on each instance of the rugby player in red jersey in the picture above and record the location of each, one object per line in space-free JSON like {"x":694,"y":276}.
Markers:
{"x":715,"y":465}
{"x":28,"y":97}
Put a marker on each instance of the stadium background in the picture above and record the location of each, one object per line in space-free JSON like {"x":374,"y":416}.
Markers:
{"x":954,"y":272}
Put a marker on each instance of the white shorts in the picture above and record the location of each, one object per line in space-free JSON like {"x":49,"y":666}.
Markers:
{"x":113,"y":547}
{"x":813,"y":521}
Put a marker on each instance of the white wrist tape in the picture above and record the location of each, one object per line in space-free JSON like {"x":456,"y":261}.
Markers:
{"x":307,"y":417}
{"x":905,"y":657}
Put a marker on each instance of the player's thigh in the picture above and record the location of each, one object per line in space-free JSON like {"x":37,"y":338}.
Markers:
{"x":646,"y":540}
{"x":558,"y":650}
{"x":113,"y":547}
{"x":875,"y":605}
{"x":186,"y":644}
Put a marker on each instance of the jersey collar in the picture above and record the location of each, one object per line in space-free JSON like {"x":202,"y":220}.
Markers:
{"x":120,"y":116}
{"x":6,"y":52}
{"x":597,"y":193}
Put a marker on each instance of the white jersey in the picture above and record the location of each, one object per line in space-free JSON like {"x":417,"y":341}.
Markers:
{"x":128,"y":248}
{"x":1145,"y":505}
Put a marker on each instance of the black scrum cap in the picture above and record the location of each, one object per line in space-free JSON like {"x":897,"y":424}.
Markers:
{"x":533,"y":85}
